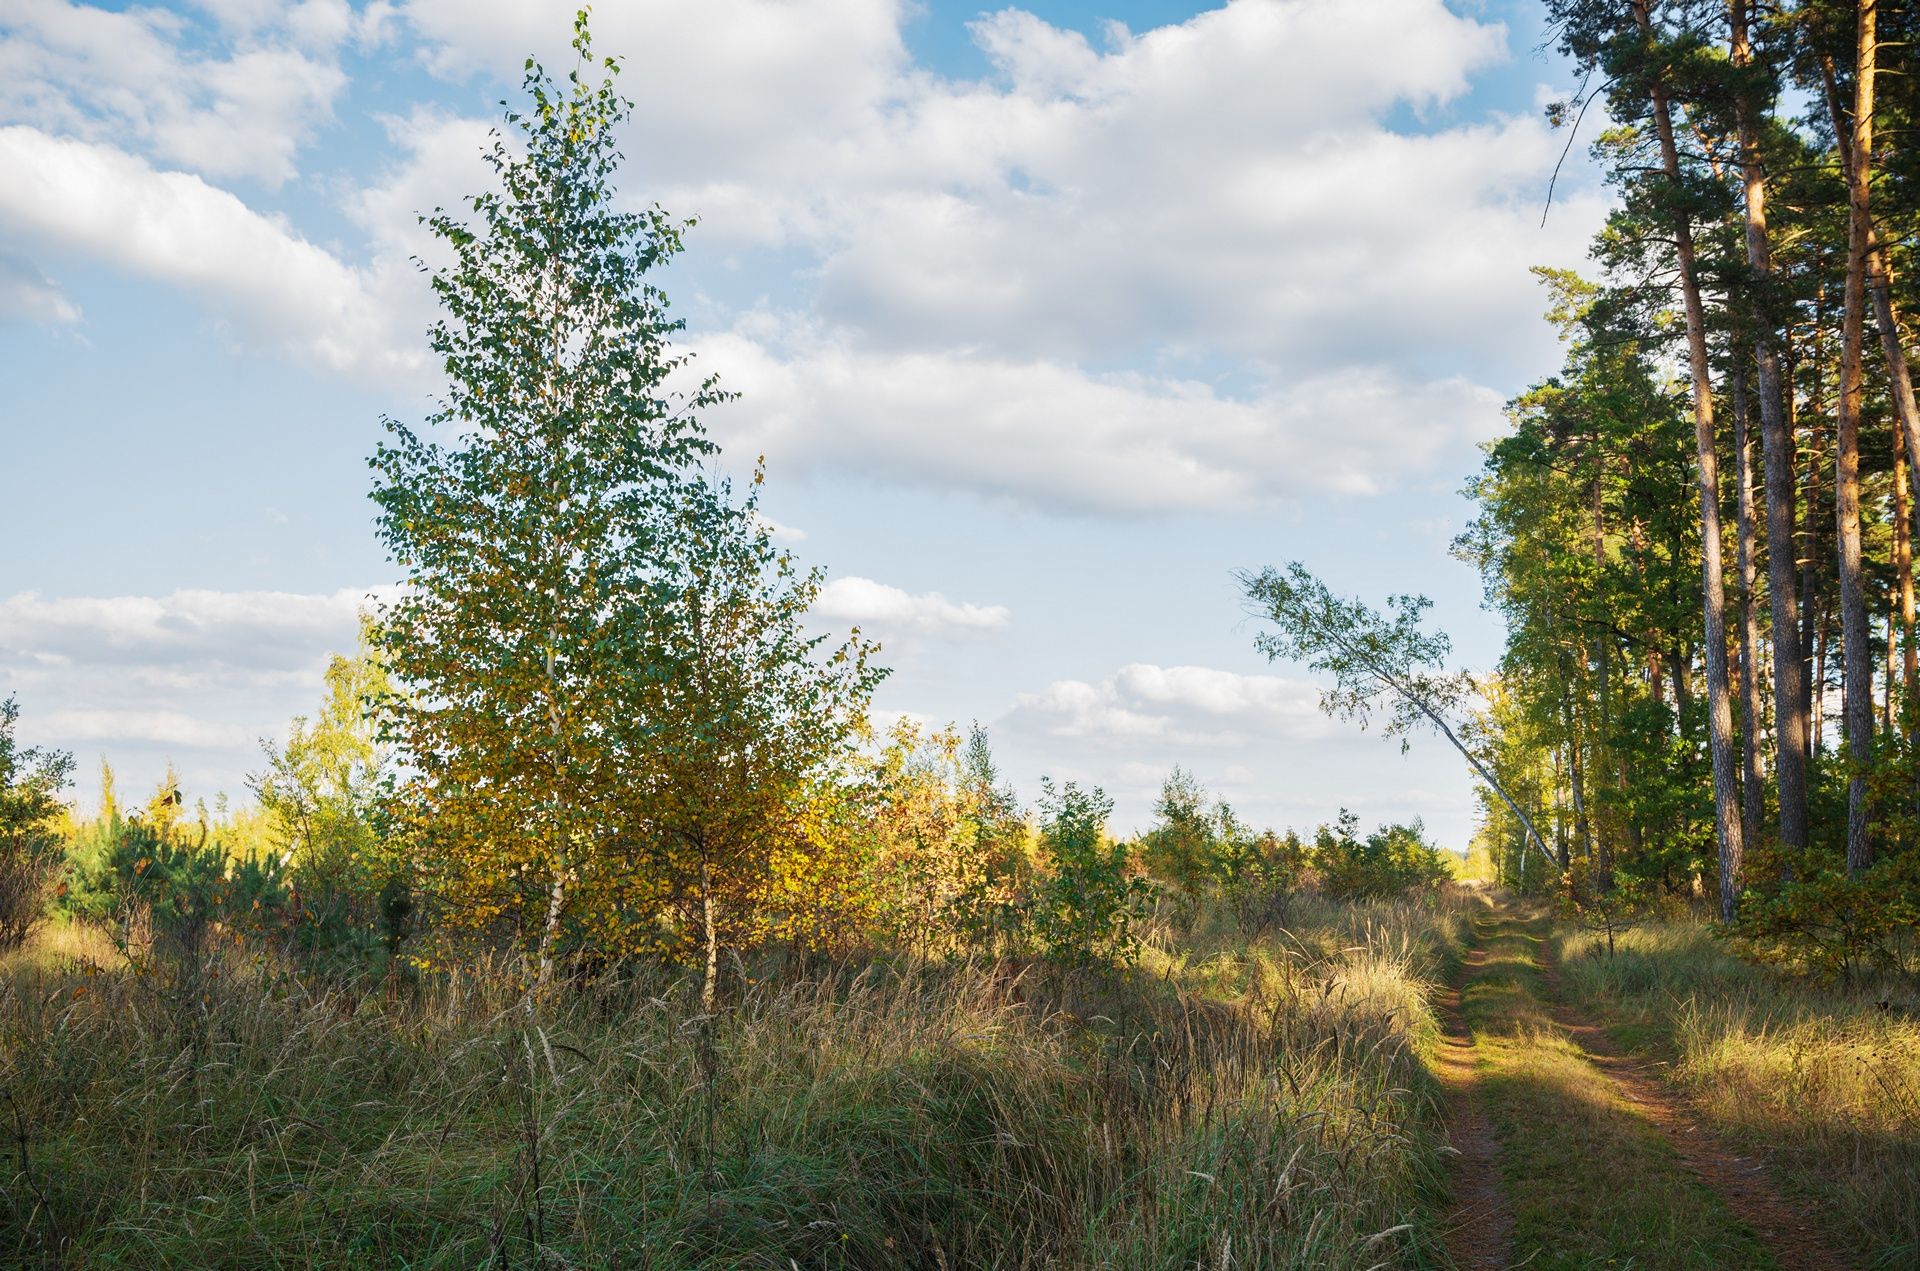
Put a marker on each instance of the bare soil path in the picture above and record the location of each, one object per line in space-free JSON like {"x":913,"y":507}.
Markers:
{"x":1553,"y":1214}
{"x":1478,"y":1229}
{"x":1741,"y":1182}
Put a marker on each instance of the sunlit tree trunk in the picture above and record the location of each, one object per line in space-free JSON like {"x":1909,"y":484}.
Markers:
{"x":1726,"y":794}
{"x":1903,"y":563}
{"x":1752,"y":793}
{"x":1603,"y":661}
{"x":1879,"y":273}
{"x":709,"y":941}
{"x":1857,"y":695}
{"x":1559,"y":814}
{"x":1812,"y":549}
{"x":1575,"y":773}
{"x":1776,"y":440}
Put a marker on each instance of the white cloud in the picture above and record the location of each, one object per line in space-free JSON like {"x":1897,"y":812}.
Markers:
{"x":1239,"y":183}
{"x":723,"y":89}
{"x":1259,"y":741}
{"x":1053,"y":434}
{"x":782,"y":533}
{"x":888,"y":611}
{"x":280,"y":289}
{"x":151,"y":727}
{"x":1190,"y":706}
{"x":133,"y":78}
{"x":195,"y":677}
{"x":255,"y":630}
{"x":1214,"y":264}
{"x":883,"y":721}
{"x":28,"y":295}
{"x":1233,"y":208}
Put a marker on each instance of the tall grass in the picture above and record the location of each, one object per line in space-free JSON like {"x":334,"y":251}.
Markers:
{"x":1824,"y":1080}
{"x":1236,"y":1105}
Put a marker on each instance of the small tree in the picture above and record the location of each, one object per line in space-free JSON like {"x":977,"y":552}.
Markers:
{"x":925,"y":848}
{"x":1607,"y":911}
{"x":321,"y":793}
{"x":1259,"y":873}
{"x":745,"y":715}
{"x":989,"y":908}
{"x":1391,"y":860}
{"x":31,"y":779}
{"x":531,"y":539}
{"x":1377,"y":661}
{"x":1183,"y":845}
{"x":1091,"y":902}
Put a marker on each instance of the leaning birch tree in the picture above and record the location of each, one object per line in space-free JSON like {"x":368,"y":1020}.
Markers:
{"x":1379,"y":662}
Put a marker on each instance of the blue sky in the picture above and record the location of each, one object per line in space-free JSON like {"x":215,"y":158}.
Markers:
{"x":1047,"y":319}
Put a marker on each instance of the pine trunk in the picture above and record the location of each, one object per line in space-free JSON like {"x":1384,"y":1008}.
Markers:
{"x":1879,"y":280}
{"x":1857,"y":696}
{"x":1603,"y":661}
{"x":1776,"y":441}
{"x":1812,"y":601}
{"x":1752,"y":792}
{"x":1726,"y":793}
{"x":1903,"y":565}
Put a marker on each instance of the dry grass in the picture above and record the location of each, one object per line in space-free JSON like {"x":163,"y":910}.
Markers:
{"x":1822,"y":1080}
{"x":62,"y":945}
{"x":1591,"y":1183}
{"x":1259,"y":1106}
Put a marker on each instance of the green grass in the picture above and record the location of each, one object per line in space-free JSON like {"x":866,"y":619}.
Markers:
{"x":1227,"y":1105}
{"x":1821,"y":1080}
{"x":1591,"y":1183}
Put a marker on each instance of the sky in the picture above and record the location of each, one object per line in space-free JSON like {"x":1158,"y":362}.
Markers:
{"x":1046,"y":318}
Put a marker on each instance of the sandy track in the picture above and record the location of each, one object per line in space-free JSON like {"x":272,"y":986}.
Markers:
{"x":1478,"y":1229}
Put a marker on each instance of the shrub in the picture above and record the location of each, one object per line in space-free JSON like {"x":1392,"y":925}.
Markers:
{"x":1259,"y":875}
{"x":30,"y":783}
{"x":1393,"y":859}
{"x":1087,"y":908}
{"x":166,"y":891}
{"x":1608,"y":912}
{"x":1838,"y":926}
{"x":27,"y":870}
{"x":1183,"y":847}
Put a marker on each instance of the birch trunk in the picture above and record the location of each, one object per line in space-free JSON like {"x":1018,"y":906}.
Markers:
{"x":710,"y":941}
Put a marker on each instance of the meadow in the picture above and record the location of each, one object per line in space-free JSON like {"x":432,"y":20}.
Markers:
{"x":1226,"y":1103}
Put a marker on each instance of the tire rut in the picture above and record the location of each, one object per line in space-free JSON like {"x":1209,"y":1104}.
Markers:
{"x":1787,"y":1229}
{"x":1478,"y":1227}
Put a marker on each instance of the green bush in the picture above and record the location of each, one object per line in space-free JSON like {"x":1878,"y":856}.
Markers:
{"x":1391,"y":860}
{"x":1259,"y":875}
{"x":166,"y":892}
{"x":1087,"y":908}
{"x":30,"y":783}
{"x":1837,"y":926}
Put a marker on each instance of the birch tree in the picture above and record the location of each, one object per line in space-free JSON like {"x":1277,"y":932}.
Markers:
{"x":1380,"y":663}
{"x":529,"y":534}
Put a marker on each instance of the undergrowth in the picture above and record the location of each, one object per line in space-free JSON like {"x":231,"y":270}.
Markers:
{"x":1821,"y":1079}
{"x":1229,"y":1104}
